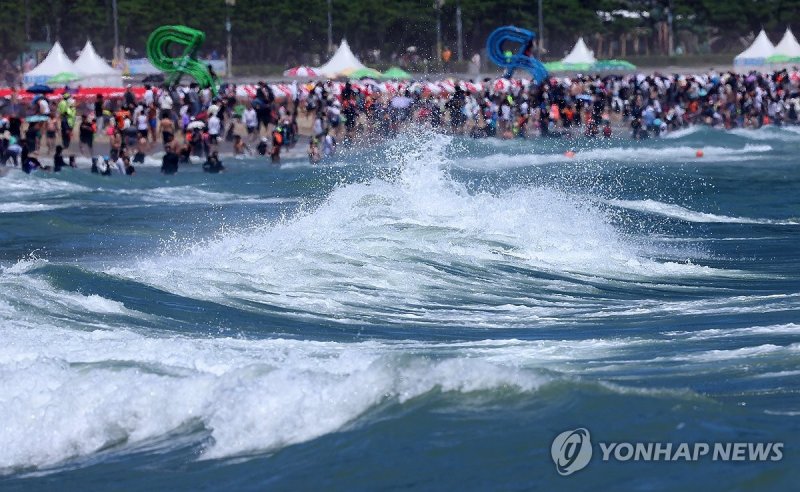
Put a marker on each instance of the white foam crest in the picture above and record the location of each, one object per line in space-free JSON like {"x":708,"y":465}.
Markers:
{"x":20,"y":185}
{"x":192,"y":195}
{"x":738,"y":353}
{"x":18,"y":208}
{"x":23,"y":265}
{"x":397,"y":248}
{"x":768,"y":133}
{"x":504,"y":161}
{"x":703,"y":307}
{"x":31,"y":294}
{"x":67,"y":393}
{"x":678,"y":212}
{"x":683,"y":132}
{"x":638,"y":155}
{"x":713,"y":333}
{"x":669,"y":154}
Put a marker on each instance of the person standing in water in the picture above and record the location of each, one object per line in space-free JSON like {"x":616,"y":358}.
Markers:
{"x":167,"y":128}
{"x":58,"y":159}
{"x":51,"y":129}
{"x":169,"y":163}
{"x":115,"y":142}
{"x":277,"y":143}
{"x":213,"y":164}
{"x":86,"y":135}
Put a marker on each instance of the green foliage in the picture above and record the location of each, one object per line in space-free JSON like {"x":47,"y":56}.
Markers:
{"x":291,"y":31}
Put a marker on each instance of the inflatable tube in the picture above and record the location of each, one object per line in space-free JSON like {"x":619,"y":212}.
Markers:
{"x":521,"y":59}
{"x":158,"y":45}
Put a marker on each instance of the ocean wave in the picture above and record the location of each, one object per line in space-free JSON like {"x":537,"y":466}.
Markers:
{"x":416,"y":247}
{"x":21,"y":186}
{"x":769,"y":330}
{"x":639,"y":155}
{"x":762,"y":350}
{"x":684,"y":132}
{"x":678,"y":212}
{"x":728,"y":305}
{"x":768,"y":133}
{"x":91,"y":390}
{"x":33,"y":294}
{"x":192,"y":195}
{"x":18,"y":208}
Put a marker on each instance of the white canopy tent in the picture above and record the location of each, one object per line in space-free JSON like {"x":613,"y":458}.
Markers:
{"x":54,"y":63}
{"x":342,"y":62}
{"x":788,"y":46}
{"x":94,"y":70}
{"x":757,"y":53}
{"x":580,"y":54}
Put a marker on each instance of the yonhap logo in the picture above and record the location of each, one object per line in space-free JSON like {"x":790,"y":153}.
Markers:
{"x":571,"y":451}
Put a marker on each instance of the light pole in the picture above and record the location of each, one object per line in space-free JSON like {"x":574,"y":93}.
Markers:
{"x":460,"y":40}
{"x":27,"y":20}
{"x":330,"y":26}
{"x":541,"y":31}
{"x":116,"y":30}
{"x":670,"y":42}
{"x":229,"y":4}
{"x":438,"y":4}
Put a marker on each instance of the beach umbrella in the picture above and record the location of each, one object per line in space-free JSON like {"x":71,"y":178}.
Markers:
{"x":397,"y":73}
{"x":36,"y":118}
{"x":301,"y":71}
{"x":578,"y":67}
{"x":401,"y":102}
{"x":555,"y":66}
{"x":779,"y":59}
{"x":433,"y":88}
{"x":502,"y":85}
{"x":448,"y":86}
{"x":39,"y":89}
{"x":473,"y":87}
{"x":559,"y":66}
{"x":196,"y":124}
{"x":613,"y":65}
{"x":365,"y":72}
{"x":63,"y":78}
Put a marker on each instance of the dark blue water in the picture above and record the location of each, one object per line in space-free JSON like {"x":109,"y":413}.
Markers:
{"x":429,"y":313}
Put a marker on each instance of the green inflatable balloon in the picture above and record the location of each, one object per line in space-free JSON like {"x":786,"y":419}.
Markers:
{"x":158,"y":51}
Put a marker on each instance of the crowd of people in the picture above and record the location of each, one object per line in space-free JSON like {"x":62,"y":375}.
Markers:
{"x":192,"y":121}
{"x":568,"y":107}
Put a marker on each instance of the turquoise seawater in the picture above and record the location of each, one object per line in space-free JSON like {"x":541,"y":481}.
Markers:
{"x":428,"y":313}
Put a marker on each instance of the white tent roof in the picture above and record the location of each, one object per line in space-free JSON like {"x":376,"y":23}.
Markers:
{"x":94,"y":69}
{"x":342,"y":61}
{"x":580,"y":54}
{"x":90,"y":63}
{"x":55,"y":63}
{"x":757,"y":52}
{"x":788,"y":45}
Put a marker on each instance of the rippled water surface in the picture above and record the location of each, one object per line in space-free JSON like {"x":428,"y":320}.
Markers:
{"x":429,"y":313}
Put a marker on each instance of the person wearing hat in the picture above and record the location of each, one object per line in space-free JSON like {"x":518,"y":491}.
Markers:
{"x":263,"y":146}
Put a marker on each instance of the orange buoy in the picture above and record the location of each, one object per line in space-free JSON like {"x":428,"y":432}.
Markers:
{"x":699,"y":153}
{"x":569,"y":154}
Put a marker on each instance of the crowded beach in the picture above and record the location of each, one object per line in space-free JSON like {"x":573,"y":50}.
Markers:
{"x":116,"y":128}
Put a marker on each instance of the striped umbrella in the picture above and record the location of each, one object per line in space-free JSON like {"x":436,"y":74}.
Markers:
{"x":301,"y":71}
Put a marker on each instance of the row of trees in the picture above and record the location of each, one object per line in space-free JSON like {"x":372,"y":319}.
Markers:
{"x":280,"y":32}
